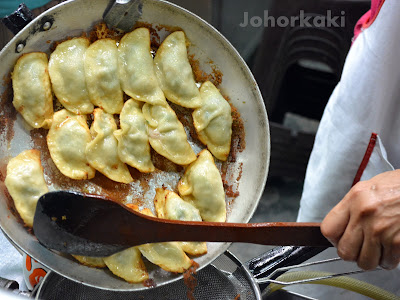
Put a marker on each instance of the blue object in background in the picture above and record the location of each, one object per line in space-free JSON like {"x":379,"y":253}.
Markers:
{"x":9,"y":6}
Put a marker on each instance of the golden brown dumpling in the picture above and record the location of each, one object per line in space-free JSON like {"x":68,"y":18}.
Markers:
{"x":174,"y":72}
{"x":170,"y":206}
{"x":133,"y":139}
{"x":167,"y":135}
{"x":94,"y":262}
{"x":127,"y":264}
{"x":67,"y":74}
{"x":169,"y":255}
{"x":136,"y":68}
{"x":102,"y":151}
{"x":25,"y":183}
{"x":213,"y":121}
{"x":32,"y":89}
{"x":202,"y":186}
{"x":102,"y":80}
{"x":67,"y":140}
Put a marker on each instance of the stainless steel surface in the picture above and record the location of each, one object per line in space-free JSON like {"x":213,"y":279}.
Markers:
{"x":205,"y":9}
{"x":325,"y":261}
{"x":206,"y":44}
{"x":387,"y":280}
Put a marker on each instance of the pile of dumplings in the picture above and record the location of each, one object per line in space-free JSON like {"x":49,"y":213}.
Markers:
{"x":91,"y":79}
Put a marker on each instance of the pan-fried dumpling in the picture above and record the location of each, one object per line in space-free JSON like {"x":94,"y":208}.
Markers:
{"x":167,"y":135}
{"x":67,"y":140}
{"x":174,"y":72}
{"x":32,"y":89}
{"x":102,"y":151}
{"x":101,"y":71}
{"x":136,"y":68}
{"x":25,"y":183}
{"x":169,"y":255}
{"x":133,"y":140}
{"x":202,"y":186}
{"x":213,"y":121}
{"x":67,"y":74}
{"x":94,"y":262}
{"x":170,"y":206}
{"x":127,"y":264}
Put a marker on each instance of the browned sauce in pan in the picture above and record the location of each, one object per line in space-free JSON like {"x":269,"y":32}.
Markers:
{"x":190,"y":280}
{"x":127,"y":192}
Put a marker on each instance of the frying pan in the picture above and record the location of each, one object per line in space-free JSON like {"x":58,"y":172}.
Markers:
{"x":247,"y":173}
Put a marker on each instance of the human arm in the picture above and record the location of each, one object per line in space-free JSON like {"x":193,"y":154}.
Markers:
{"x":365,"y":225}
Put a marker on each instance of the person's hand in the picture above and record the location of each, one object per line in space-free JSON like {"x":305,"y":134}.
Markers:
{"x":365,"y":225}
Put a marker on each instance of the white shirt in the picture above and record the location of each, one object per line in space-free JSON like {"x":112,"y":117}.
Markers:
{"x":366,"y":101}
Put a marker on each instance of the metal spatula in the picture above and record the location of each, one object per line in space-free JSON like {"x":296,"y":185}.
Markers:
{"x":123,"y":14}
{"x":93,"y":226}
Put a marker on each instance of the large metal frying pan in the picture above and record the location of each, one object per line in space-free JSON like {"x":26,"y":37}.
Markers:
{"x":71,"y":19}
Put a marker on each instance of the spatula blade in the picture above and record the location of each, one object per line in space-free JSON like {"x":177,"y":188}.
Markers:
{"x":123,"y":14}
{"x":52,"y":234}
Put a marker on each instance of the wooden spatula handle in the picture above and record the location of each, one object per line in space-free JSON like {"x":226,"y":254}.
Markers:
{"x":92,"y":226}
{"x":283,"y":234}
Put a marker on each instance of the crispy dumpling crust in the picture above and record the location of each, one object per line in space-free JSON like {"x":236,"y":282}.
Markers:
{"x":67,"y":74}
{"x":32,"y":89}
{"x":167,"y":135}
{"x":25,"y":183}
{"x":127,"y":264}
{"x":170,"y":206}
{"x":174,"y":72}
{"x":169,"y":255}
{"x":136,"y":68}
{"x":202,"y":186}
{"x":67,"y":140}
{"x":133,"y":138}
{"x":102,"y":151}
{"x":101,"y":72}
{"x":213,"y":121}
{"x":94,"y":262}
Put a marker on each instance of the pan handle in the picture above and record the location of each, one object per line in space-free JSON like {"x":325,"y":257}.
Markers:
{"x":278,"y":257}
{"x":18,"y":19}
{"x":8,"y":284}
{"x":12,"y":287}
